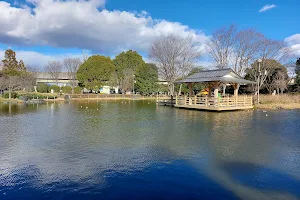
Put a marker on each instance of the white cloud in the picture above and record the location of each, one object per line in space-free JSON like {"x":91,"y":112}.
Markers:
{"x":84,"y":25}
{"x":294,"y":43}
{"x":267,"y":7}
{"x":38,"y":59}
{"x":294,"y":39}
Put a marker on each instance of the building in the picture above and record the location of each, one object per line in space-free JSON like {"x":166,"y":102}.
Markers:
{"x":215,"y":79}
{"x":63,"y":79}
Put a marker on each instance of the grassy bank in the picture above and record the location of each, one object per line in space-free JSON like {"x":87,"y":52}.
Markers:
{"x":22,"y":96}
{"x":285,"y":101}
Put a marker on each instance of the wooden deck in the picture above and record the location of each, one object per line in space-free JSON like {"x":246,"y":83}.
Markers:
{"x":214,"y":104}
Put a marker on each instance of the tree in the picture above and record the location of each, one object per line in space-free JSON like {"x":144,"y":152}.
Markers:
{"x":280,"y":81}
{"x":72,"y":65}
{"x":22,"y":66}
{"x":240,"y":48}
{"x":146,"y":77}
{"x":12,"y":71}
{"x":175,"y":56}
{"x":220,"y":45}
{"x":126,"y":64}
{"x":95,"y":72}
{"x":297,"y":72}
{"x":269,"y":69}
{"x":42,"y":88}
{"x":245,"y":48}
{"x":54,"y":68}
{"x":197,"y":86}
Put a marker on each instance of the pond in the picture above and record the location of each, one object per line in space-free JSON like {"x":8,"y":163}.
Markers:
{"x":137,"y":150}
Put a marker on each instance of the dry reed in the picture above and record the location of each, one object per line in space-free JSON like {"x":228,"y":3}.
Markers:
{"x":285,"y":101}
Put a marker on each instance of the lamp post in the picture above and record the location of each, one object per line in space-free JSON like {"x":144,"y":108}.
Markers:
{"x":258,"y":79}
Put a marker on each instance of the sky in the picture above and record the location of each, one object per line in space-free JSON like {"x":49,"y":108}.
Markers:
{"x":44,"y":30}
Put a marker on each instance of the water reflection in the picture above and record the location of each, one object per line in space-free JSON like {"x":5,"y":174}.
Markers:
{"x":96,"y":149}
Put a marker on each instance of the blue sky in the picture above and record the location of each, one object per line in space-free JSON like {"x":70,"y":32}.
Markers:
{"x":52,"y":30}
{"x":278,"y":23}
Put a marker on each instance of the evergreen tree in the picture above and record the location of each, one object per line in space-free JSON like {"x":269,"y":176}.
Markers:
{"x":95,"y":72}
{"x":126,"y":65}
{"x":146,"y":79}
{"x":12,"y":70}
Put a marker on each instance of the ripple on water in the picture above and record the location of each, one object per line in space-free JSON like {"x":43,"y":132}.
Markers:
{"x":137,"y":150}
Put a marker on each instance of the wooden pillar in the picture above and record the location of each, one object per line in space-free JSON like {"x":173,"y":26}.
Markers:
{"x":236,"y":92}
{"x":236,"y":89}
{"x":224,"y":88}
{"x":216,"y":92}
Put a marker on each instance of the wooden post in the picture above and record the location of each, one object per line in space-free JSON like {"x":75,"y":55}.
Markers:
{"x":224,"y":88}
{"x":184,"y":99}
{"x":190,"y":101}
{"x":228,"y":103}
{"x":176,"y":100}
{"x":236,"y":89}
{"x":216,"y":91}
{"x":206,"y":103}
{"x":236,"y":92}
{"x":195,"y":100}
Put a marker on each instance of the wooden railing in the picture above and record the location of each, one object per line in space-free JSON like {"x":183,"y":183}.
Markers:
{"x":223,"y":102}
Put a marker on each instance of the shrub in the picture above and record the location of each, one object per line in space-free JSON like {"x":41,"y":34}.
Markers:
{"x":14,"y":95}
{"x":29,"y":96}
{"x":66,"y":89}
{"x":77,"y":90}
{"x":42,"y":88}
{"x":55,"y":88}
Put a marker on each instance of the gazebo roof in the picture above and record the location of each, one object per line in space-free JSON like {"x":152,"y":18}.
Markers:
{"x":221,"y":75}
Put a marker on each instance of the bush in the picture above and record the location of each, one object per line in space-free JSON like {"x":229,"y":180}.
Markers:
{"x":55,"y":88}
{"x":42,"y":88}
{"x":29,"y":96}
{"x":77,"y":90}
{"x":14,"y":95}
{"x":66,"y":89}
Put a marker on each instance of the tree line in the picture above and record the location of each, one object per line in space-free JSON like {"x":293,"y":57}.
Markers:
{"x":247,"y":51}
{"x":128,"y":71}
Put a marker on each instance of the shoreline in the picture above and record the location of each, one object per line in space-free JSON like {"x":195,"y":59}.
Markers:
{"x":78,"y":99}
{"x":266,"y":106}
{"x":278,"y":106}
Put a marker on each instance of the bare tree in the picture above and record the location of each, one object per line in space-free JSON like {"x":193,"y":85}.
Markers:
{"x":85,"y":55}
{"x":54,"y":69}
{"x":241,"y":48}
{"x":268,"y":51}
{"x":220,"y":46}
{"x":175,"y":56}
{"x":244,"y":50}
{"x":280,"y":82}
{"x":72,"y":65}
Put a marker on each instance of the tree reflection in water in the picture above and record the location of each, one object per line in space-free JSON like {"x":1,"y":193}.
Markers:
{"x":95,"y":148}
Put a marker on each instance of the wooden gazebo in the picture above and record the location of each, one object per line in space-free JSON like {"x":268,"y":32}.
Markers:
{"x":215,"y":79}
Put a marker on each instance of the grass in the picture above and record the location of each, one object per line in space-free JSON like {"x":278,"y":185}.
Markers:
{"x":285,"y":101}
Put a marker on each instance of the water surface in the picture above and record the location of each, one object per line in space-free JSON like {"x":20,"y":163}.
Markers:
{"x":137,"y":150}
